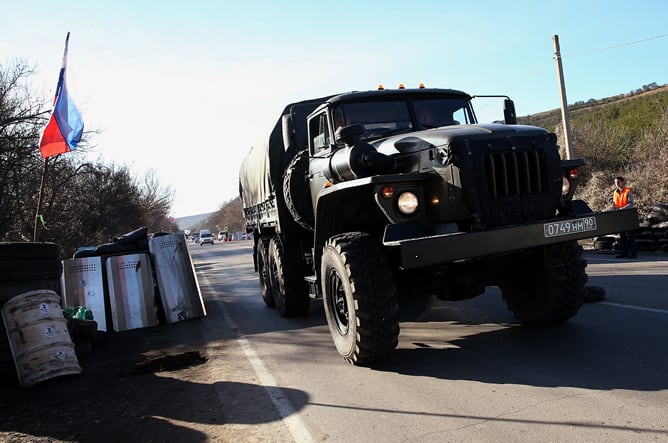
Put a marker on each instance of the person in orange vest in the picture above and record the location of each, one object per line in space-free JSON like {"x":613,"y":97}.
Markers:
{"x":622,"y":198}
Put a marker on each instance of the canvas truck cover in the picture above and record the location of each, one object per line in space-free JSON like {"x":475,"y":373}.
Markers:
{"x":254,"y":186}
{"x":262,"y":169}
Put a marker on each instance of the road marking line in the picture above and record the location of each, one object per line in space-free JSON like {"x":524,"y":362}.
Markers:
{"x":278,"y":397}
{"x":637,"y":308}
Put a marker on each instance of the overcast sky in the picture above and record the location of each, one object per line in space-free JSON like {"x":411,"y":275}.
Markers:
{"x":185,"y":88}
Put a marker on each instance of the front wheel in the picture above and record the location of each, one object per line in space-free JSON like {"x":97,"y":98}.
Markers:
{"x":550,"y":288}
{"x":360,"y":298}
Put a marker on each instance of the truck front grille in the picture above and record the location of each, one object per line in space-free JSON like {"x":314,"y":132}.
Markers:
{"x":514,"y":173}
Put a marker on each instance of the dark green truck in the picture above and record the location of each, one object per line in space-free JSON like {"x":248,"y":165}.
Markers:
{"x":365,"y":197}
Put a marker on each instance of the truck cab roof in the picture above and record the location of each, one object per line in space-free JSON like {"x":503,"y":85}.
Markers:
{"x":380,"y":94}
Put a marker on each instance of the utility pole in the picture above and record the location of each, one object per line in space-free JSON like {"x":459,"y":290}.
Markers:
{"x":565,"y":118}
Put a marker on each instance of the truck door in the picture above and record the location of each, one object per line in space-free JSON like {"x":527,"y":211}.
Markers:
{"x":320,"y":148}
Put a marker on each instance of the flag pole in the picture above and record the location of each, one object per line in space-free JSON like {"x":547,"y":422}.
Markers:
{"x":61,"y":134}
{"x":39,"y":198}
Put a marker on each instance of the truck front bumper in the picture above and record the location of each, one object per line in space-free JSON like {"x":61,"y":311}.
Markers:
{"x":422,"y":245}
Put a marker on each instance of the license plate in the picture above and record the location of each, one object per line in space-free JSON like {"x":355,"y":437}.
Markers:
{"x":565,"y":227}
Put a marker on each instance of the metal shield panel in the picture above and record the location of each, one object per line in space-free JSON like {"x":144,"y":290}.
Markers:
{"x":131,"y":294}
{"x":82,"y":284}
{"x":177,"y":283}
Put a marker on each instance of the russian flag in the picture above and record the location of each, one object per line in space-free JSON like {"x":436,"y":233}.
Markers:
{"x":65,"y":127}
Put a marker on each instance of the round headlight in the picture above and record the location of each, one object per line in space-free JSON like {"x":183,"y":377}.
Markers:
{"x":565,"y":186}
{"x":407,"y":203}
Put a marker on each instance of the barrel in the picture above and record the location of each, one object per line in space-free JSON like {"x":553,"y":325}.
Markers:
{"x":38,"y":337}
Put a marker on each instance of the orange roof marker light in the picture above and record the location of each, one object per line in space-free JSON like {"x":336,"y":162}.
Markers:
{"x":421,"y":86}
{"x":381,"y":88}
{"x":401,"y":86}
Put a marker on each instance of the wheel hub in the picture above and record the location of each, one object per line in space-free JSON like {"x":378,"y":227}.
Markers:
{"x":337,"y":302}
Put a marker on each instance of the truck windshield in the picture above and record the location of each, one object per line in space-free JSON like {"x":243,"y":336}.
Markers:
{"x":382,"y":118}
{"x":433,"y":113}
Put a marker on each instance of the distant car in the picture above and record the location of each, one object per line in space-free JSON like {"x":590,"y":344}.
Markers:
{"x":205,"y":237}
{"x":195,"y":238}
{"x":221,"y":236}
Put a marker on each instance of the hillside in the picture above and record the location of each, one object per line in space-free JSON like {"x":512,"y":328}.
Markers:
{"x":624,"y":102}
{"x":192,"y":221}
{"x":623,"y":135}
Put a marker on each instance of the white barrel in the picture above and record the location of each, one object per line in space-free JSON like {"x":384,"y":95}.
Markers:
{"x":38,"y":337}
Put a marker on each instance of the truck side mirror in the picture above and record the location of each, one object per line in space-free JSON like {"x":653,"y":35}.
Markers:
{"x":288,"y":140}
{"x":509,"y":112}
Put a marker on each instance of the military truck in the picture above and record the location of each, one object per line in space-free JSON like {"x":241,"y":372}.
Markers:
{"x":365,"y":197}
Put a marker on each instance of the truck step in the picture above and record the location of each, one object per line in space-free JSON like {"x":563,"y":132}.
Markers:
{"x":313,"y":286}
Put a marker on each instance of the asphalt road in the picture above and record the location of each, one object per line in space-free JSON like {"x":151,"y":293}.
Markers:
{"x":463,"y":371}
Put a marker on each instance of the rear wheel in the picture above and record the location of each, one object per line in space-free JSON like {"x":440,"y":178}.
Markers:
{"x":263,"y":272}
{"x":360,"y":298}
{"x":288,"y":286}
{"x":551,"y":287}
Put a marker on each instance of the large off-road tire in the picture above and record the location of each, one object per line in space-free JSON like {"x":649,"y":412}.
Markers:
{"x":263,"y":272}
{"x":30,"y":269}
{"x":360,"y":298}
{"x":28,"y":251}
{"x":288,"y":287}
{"x":550,"y":288}
{"x":604,"y":243}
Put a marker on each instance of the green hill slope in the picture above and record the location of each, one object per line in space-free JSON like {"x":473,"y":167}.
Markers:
{"x":623,"y":135}
{"x":637,"y":108}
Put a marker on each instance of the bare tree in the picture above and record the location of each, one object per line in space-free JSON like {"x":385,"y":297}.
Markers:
{"x":21,"y":117}
{"x":156,"y":202}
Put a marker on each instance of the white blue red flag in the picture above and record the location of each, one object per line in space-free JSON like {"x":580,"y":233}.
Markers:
{"x":63,"y":132}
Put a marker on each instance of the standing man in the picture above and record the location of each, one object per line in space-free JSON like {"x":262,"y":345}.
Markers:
{"x":226,"y":230}
{"x":622,"y":198}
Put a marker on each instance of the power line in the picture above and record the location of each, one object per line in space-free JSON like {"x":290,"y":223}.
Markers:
{"x":615,"y":46}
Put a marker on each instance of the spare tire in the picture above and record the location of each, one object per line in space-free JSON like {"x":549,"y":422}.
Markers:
{"x":30,"y":269}
{"x":645,"y":244}
{"x":133,"y":236}
{"x":662,"y":208}
{"x":296,"y":191}
{"x":662,"y":225}
{"x":113,"y":249}
{"x":29,"y":251}
{"x":603,"y":243}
